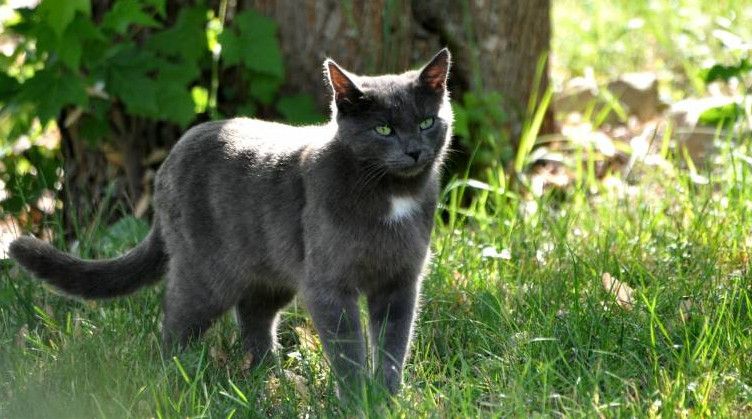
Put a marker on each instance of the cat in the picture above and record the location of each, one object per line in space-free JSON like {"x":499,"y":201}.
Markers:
{"x":249,"y":214}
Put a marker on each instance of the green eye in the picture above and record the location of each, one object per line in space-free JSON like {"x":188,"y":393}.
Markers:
{"x":384,"y":130}
{"x":426,"y":123}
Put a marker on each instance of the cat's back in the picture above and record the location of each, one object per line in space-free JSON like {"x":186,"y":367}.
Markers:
{"x":229,"y":147}
{"x":246,"y":135}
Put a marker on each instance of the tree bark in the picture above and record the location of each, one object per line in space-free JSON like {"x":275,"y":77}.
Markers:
{"x":496,"y":43}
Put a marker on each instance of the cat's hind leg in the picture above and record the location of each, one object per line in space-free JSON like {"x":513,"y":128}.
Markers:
{"x":190,"y":305}
{"x":258,"y":313}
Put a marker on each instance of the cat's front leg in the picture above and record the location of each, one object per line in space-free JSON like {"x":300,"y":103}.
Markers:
{"x":391,"y":310}
{"x":336,"y":317}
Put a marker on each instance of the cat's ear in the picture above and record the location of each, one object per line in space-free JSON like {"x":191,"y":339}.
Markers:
{"x":345,"y":90}
{"x":434,"y":75}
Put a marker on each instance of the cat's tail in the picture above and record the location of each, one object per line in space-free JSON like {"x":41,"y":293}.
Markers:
{"x":141,"y":266}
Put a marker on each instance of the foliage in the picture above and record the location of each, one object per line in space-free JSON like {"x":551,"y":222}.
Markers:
{"x":726,"y":115}
{"x":478,"y":123}
{"x":137,"y":58}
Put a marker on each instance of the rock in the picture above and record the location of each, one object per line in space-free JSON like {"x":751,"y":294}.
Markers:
{"x":576,"y":95}
{"x":688,"y":133}
{"x":686,"y":113}
{"x":638,"y":93}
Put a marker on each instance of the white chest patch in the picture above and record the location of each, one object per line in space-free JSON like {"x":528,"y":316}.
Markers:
{"x":402,"y":208}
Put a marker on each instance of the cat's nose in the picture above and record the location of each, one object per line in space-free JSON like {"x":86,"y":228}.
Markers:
{"x":414,"y":154}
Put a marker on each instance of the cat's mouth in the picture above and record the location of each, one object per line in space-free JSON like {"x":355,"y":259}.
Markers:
{"x":412,"y":170}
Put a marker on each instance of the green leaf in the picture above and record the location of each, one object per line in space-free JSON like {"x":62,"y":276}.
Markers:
{"x":186,"y":38}
{"x":58,"y":14}
{"x":725,"y":73}
{"x":137,"y":91}
{"x":51,"y":89}
{"x":726,"y":115}
{"x":125,"y":13}
{"x":159,"y":5}
{"x":80,"y":36}
{"x":299,"y":109}
{"x":200,"y":97}
{"x":252,"y":40}
{"x":264,"y":88}
{"x":231,"y":47}
{"x":263,"y":53}
{"x":92,"y":129}
{"x":127,"y":78}
{"x":175,"y":103}
{"x":8,"y":87}
{"x":179,"y":73}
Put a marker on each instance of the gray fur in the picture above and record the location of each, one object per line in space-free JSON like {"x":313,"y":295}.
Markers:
{"x":252,"y":213}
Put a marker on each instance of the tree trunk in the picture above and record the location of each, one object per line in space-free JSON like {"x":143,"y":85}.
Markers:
{"x":496,"y":43}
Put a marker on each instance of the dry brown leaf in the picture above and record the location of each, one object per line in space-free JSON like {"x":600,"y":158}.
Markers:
{"x":685,"y":307}
{"x":301,"y":387}
{"x":73,"y":116}
{"x":621,"y":291}
{"x":307,"y":338}
{"x":156,"y":156}
{"x":21,"y":336}
{"x":247,"y":362}
{"x":113,"y":156}
{"x":218,"y":355}
{"x":142,"y":205}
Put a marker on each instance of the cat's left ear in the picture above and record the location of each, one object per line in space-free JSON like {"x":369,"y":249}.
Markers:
{"x":345,"y":90}
{"x":434,"y":75}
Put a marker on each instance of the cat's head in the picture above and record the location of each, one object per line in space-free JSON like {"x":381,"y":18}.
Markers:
{"x":398,"y":122}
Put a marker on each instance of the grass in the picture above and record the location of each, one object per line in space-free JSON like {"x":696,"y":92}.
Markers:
{"x":529,"y":329}
{"x":675,"y":39}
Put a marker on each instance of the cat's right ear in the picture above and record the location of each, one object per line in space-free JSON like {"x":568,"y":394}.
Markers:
{"x":346,"y":92}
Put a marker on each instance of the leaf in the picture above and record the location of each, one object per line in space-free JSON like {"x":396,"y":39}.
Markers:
{"x":264,"y":88}
{"x":685,"y":309}
{"x":231,"y":47}
{"x":174,"y":97}
{"x":252,"y":40}
{"x":137,"y":91}
{"x":128,"y":79}
{"x":51,"y":89}
{"x":175,"y":103}
{"x":621,"y":291}
{"x":125,"y":13}
{"x":159,"y":5}
{"x":263,"y":53}
{"x":299,"y":109}
{"x":93,"y":129}
{"x":200,"y":99}
{"x":725,"y":73}
{"x":81,"y":39}
{"x":186,"y":38}
{"x":9,"y":86}
{"x":58,"y":14}
{"x":726,"y":115}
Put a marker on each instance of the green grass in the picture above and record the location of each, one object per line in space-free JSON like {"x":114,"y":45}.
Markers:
{"x":531,"y":332}
{"x":675,"y":39}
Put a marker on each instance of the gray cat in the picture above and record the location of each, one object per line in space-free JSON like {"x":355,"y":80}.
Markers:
{"x":249,"y":214}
